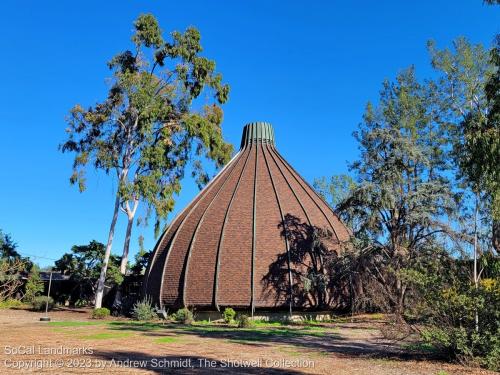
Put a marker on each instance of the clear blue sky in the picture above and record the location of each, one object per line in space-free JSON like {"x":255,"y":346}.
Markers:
{"x":308,"y":67}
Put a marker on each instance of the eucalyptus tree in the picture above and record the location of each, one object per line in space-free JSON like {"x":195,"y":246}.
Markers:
{"x":472,"y":135}
{"x":488,"y":162}
{"x":152,"y":124}
{"x":402,"y":197}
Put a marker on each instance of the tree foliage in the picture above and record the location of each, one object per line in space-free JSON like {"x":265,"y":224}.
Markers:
{"x":465,"y":95}
{"x":479,"y":146}
{"x":141,"y":259}
{"x":34,"y":285}
{"x":335,"y":189}
{"x":151,"y":126}
{"x":83,"y":265}
{"x":7,"y":247}
{"x":13,"y":267}
{"x":402,"y":197}
{"x":146,"y":128}
{"x":11,"y":272}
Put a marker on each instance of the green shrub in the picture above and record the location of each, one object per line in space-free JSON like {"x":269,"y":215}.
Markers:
{"x":39,"y":303}
{"x":10,"y":303}
{"x":184,"y":316}
{"x":100,"y":313}
{"x":451,"y":326}
{"x":34,"y":285}
{"x":81,"y":303}
{"x":229,"y":314}
{"x":244,"y":321}
{"x":144,"y":310}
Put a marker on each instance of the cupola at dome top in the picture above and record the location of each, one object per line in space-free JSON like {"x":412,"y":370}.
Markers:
{"x":257,"y":132}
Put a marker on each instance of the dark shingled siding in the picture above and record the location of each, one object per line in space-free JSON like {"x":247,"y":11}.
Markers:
{"x":204,"y":259}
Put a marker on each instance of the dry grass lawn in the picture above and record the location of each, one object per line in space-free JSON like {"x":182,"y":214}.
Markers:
{"x":73,"y":343}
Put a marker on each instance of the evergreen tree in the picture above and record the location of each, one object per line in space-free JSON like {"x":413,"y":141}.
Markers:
{"x":465,"y":117}
{"x":402,"y":198}
{"x":84,"y":263}
{"x":34,"y":285}
{"x":148,"y":129}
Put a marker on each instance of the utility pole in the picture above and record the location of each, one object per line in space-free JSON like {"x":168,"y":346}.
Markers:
{"x":476,"y":281}
{"x":46,"y":318}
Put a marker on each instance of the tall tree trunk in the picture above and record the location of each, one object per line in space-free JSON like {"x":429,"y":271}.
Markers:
{"x":126,"y":247}
{"x":104,"y":268}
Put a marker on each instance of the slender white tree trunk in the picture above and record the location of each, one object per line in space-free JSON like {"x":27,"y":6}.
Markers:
{"x":126,"y":244}
{"x":104,"y":268}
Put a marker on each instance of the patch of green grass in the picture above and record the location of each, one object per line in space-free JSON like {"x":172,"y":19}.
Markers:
{"x":167,"y":340}
{"x":134,"y":326}
{"x":375,"y":316}
{"x":312,"y":328}
{"x":107,"y":335}
{"x":203,"y":323}
{"x":71,"y":323}
{"x":267,"y":323}
{"x":313,"y":322}
{"x":441,"y":372}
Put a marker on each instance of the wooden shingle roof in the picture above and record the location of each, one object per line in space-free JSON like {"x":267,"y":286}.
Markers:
{"x":219,"y":249}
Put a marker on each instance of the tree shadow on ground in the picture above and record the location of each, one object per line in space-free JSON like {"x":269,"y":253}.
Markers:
{"x":183,"y":364}
{"x":323,"y":340}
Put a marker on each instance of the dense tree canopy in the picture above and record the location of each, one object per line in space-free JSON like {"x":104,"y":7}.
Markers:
{"x":466,"y":95}
{"x":7,"y":247}
{"x":152,"y":125}
{"x":427,"y":184}
{"x":402,"y":197}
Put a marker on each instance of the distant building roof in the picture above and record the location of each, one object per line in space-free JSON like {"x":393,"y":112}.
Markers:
{"x":56,"y":276}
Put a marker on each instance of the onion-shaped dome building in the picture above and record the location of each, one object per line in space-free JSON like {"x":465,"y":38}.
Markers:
{"x":229,"y":247}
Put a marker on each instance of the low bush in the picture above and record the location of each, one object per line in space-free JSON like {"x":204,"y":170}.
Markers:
{"x":81,"y":303}
{"x":144,"y":310}
{"x":40,"y":302}
{"x":450,"y":325}
{"x":229,"y":314}
{"x":244,"y":321}
{"x":10,"y":303}
{"x":100,"y":313}
{"x":184,"y":316}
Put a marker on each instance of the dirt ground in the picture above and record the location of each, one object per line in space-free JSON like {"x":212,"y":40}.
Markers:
{"x":73,"y":343}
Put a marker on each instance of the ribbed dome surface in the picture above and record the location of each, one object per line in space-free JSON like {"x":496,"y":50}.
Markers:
{"x":218,"y":251}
